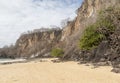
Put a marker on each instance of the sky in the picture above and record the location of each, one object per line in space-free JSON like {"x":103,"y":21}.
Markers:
{"x":18,"y":16}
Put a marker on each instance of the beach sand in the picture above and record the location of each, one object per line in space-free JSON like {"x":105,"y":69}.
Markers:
{"x":49,"y":72}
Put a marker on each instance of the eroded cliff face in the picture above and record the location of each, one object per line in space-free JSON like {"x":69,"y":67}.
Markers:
{"x":37,"y":44}
{"x":87,"y":14}
{"x":40,"y":43}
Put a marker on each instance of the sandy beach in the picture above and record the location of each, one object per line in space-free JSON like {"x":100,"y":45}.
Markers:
{"x":49,"y":72}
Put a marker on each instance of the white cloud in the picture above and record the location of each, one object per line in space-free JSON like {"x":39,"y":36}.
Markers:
{"x":17,"y":16}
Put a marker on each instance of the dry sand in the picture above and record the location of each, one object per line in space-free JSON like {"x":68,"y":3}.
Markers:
{"x":49,"y":72}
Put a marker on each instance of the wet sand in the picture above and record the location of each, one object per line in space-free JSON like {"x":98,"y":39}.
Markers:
{"x":49,"y":72}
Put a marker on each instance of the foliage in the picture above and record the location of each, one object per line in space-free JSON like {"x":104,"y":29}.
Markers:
{"x":57,"y":52}
{"x":95,"y":33}
{"x":91,"y":38}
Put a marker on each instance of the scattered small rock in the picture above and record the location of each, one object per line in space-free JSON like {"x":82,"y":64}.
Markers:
{"x":102,"y":64}
{"x":82,"y":62}
{"x":56,"y":61}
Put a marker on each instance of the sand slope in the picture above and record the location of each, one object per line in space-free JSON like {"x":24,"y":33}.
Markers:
{"x":48,"y":72}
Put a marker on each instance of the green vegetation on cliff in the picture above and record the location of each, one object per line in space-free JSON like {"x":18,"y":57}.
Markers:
{"x":100,"y":30}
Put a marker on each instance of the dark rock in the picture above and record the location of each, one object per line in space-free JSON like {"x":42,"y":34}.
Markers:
{"x":56,"y":61}
{"x":116,"y":64}
{"x":82,"y":62}
{"x":102,"y":60}
{"x":102,"y":48}
{"x":116,"y":70}
{"x":101,"y":64}
{"x":109,"y":63}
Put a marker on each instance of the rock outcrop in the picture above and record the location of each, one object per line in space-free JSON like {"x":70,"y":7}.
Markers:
{"x":34,"y":44}
{"x":87,"y":14}
{"x":40,"y":43}
{"x":37,"y":44}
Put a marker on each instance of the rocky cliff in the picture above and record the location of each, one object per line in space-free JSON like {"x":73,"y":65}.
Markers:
{"x":87,"y":14}
{"x":40,"y":43}
{"x":37,"y":44}
{"x":95,"y":13}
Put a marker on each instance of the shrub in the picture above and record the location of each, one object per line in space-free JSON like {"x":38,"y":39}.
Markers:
{"x":57,"y":52}
{"x":96,"y":32}
{"x":91,"y":38}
